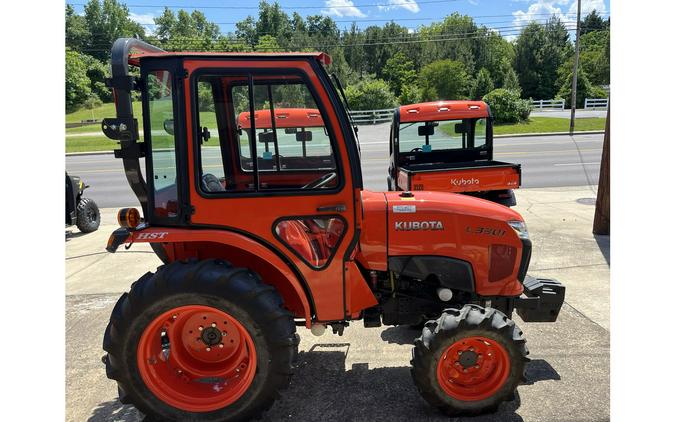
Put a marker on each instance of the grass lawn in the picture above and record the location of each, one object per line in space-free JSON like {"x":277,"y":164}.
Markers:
{"x":550,"y":124}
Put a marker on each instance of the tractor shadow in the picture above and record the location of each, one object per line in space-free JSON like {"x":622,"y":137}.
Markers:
{"x":322,"y":389}
{"x":114,"y":410}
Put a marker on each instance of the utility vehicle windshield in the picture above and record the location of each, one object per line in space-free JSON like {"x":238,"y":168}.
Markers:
{"x":442,"y":135}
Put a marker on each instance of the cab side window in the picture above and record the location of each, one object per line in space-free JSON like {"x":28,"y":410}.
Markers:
{"x":271,"y":139}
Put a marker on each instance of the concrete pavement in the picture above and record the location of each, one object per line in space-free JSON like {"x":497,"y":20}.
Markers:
{"x":364,"y":375}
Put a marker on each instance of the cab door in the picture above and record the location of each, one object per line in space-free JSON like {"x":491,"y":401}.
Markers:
{"x":268,"y":159}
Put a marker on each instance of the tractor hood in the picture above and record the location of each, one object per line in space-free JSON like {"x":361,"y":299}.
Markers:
{"x":461,"y":227}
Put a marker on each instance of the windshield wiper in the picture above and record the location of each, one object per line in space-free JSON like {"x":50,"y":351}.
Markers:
{"x":349,"y":114}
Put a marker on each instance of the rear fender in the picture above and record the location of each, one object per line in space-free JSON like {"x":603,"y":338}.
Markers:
{"x":236,"y":248}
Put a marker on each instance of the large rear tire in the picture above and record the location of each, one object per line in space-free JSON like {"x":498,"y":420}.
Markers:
{"x":200,"y":341}
{"x":469,"y":361}
{"x":88,"y":215}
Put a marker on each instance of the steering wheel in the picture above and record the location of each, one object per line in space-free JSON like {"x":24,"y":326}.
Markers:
{"x":321,"y":181}
{"x":418,"y":149}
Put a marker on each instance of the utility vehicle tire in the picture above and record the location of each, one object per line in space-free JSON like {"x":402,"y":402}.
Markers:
{"x":232,"y":368}
{"x":88,"y":215}
{"x":469,"y":360}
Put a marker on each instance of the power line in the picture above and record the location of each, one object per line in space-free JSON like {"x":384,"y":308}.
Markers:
{"x":256,"y":7}
{"x":197,"y":41}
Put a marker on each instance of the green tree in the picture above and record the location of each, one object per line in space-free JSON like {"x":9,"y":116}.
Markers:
{"x":507,"y":106}
{"x":584,"y":88}
{"x":398,"y":71}
{"x":267,"y":43}
{"x":370,"y":95}
{"x":593,"y":22}
{"x":107,"y":21}
{"x":444,"y":80}
{"x":410,"y":94}
{"x":511,"y":81}
{"x":78,"y":88}
{"x":539,"y":52}
{"x":483,"y":84}
{"x":77,"y":33}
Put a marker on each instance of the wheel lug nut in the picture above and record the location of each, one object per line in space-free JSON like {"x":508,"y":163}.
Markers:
{"x":477,"y":366}
{"x":213,"y":324}
{"x":174,"y":317}
{"x":224,"y":333}
{"x":459,"y":353}
{"x":221,"y":345}
{"x":201,"y":328}
{"x":208,"y":349}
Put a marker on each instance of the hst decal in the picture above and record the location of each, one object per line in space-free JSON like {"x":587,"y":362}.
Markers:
{"x":151,"y":236}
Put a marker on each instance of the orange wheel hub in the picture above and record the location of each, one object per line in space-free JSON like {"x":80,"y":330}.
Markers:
{"x":196,"y":358}
{"x":473,"y":368}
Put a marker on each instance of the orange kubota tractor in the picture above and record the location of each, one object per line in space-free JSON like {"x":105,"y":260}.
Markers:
{"x":446,"y":146}
{"x":253,"y":198}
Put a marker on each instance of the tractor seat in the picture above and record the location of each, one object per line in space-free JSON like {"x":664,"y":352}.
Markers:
{"x":211,"y":183}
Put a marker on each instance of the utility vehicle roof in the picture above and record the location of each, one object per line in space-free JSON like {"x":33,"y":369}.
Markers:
{"x":443,"y":110}
{"x":284,"y":117}
{"x":323,"y":58}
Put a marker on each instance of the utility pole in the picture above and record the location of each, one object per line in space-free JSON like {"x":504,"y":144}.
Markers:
{"x":576,"y":69}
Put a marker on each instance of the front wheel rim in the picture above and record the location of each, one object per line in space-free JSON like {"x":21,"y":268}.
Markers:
{"x":196,"y":358}
{"x":473,"y":368}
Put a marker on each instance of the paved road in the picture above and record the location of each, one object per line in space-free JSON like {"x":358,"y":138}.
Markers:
{"x":547,"y":161}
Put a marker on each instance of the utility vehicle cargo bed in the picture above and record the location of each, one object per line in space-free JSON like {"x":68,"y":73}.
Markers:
{"x":472,"y":176}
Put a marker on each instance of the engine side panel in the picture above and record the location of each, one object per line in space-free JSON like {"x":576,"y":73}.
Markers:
{"x":455,"y":226}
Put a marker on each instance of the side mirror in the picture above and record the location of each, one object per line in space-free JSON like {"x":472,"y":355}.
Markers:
{"x":290,"y":130}
{"x":304,"y":136}
{"x":426,"y":130}
{"x":168,"y":126}
{"x":460,"y":128}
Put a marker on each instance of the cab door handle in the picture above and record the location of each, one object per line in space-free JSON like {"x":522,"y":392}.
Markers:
{"x":334,"y":208}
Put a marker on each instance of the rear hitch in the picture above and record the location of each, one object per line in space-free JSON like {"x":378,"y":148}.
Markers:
{"x":541,"y":301}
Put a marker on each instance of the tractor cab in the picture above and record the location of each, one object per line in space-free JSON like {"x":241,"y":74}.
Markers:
{"x":252,"y":196}
{"x":448,"y":146}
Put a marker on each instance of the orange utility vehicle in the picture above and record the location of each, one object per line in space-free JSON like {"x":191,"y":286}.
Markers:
{"x":446,"y":146}
{"x":263,"y":225}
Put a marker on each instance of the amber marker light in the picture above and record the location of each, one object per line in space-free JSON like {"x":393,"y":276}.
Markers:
{"x":129,"y":218}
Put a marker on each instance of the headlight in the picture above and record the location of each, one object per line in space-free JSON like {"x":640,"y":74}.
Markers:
{"x":520,"y":228}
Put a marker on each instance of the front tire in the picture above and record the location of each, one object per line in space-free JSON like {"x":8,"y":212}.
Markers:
{"x":469,"y":361}
{"x":200,"y":341}
{"x":88,"y":215}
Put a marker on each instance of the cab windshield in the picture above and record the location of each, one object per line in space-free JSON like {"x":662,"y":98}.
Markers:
{"x":442,"y":135}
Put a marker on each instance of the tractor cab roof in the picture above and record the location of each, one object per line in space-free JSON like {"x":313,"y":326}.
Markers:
{"x":443,"y":110}
{"x":323,"y":58}
{"x":283,"y":118}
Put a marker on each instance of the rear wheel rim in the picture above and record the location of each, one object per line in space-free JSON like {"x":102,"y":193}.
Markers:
{"x":196,"y":358}
{"x":473,"y":368}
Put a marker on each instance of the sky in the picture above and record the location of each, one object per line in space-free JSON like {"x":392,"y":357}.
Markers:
{"x":505,"y":16}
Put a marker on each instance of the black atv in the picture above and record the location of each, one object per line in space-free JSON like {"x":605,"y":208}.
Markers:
{"x":80,"y":211}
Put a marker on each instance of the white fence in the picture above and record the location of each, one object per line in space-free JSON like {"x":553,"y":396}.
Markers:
{"x":372,"y":116}
{"x":548,"y":104}
{"x":595,"y":103}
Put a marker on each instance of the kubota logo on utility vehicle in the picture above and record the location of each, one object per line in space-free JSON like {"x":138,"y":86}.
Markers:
{"x":464,"y":182}
{"x":418,"y":225}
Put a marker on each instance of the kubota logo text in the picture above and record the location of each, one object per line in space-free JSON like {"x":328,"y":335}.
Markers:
{"x":418,"y":225}
{"x":464,"y":182}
